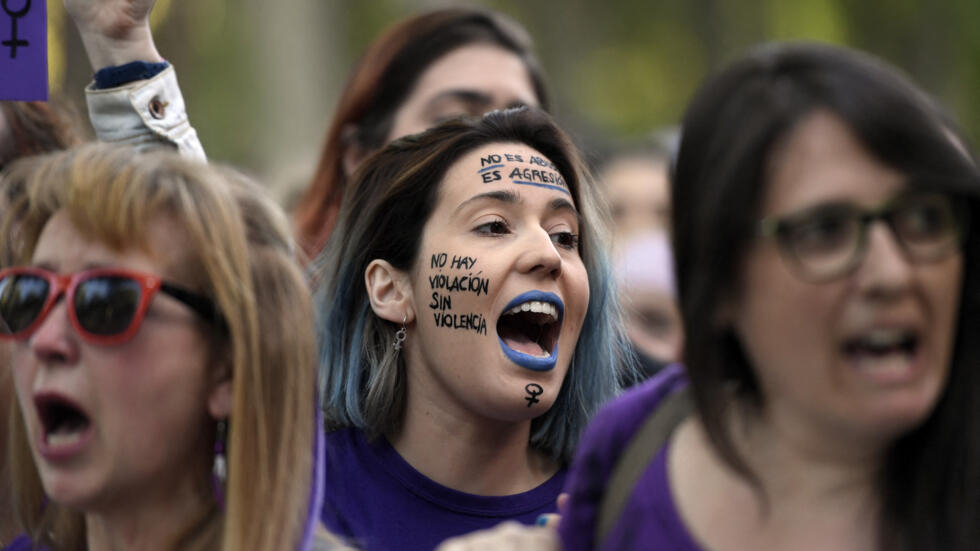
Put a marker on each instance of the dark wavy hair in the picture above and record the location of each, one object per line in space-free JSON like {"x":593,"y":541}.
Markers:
{"x":930,"y":482}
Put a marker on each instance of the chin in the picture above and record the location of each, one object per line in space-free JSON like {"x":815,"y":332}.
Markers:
{"x":68,"y":492}
{"x":898,"y":416}
{"x":514,"y":408}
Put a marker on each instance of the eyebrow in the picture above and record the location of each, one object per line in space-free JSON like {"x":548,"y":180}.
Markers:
{"x":471,"y":97}
{"x":51,"y":265}
{"x":42,"y":264}
{"x":562,"y":204}
{"x":503,"y":196}
{"x":512,"y":198}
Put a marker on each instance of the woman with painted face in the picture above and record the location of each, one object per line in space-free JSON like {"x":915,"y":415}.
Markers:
{"x":827,"y":252}
{"x":162,"y":357}
{"x":468,"y":331}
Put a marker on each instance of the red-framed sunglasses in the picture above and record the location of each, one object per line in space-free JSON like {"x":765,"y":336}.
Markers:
{"x":105,"y":305}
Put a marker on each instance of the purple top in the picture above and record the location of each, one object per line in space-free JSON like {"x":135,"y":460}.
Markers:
{"x":377,"y":500}
{"x":22,"y":543}
{"x":649,"y":519}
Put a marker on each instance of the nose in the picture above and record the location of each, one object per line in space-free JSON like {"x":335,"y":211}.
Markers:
{"x":54,"y":341}
{"x":540,"y":255}
{"x":885,"y":271}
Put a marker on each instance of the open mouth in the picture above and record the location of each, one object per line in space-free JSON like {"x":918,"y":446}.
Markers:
{"x":884,"y":351}
{"x":528,"y":329}
{"x":64,"y":422}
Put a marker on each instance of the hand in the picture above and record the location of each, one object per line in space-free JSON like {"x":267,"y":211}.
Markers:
{"x":506,"y":536}
{"x":551,"y":520}
{"x":114,"y":32}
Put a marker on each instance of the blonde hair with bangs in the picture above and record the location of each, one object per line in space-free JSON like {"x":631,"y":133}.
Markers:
{"x":239,"y":253}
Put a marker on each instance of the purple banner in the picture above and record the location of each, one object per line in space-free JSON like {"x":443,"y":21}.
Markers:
{"x":23,"y":50}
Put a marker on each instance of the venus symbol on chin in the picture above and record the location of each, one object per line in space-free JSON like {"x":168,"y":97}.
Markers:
{"x":533,"y":391}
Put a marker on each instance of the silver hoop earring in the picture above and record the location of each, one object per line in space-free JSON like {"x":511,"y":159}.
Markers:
{"x":401,"y":334}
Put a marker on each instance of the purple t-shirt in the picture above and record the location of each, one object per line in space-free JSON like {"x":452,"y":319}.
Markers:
{"x":22,"y":543}
{"x":376,"y":500}
{"x":649,"y":519}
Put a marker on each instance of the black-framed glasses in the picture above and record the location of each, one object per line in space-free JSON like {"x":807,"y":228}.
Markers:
{"x":829,"y":240}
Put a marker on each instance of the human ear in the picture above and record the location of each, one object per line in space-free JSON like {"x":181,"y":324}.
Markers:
{"x":220,"y":399}
{"x":220,"y":390}
{"x":389,"y":291}
{"x":352,"y":153}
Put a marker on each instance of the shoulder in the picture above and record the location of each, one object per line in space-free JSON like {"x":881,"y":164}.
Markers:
{"x":347,"y":466}
{"x":21,"y":543}
{"x":618,"y":421}
{"x":325,"y":541}
{"x":601,"y":447}
{"x":343,"y":450}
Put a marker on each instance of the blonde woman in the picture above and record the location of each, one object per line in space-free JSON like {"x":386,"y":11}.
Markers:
{"x":162,"y":356}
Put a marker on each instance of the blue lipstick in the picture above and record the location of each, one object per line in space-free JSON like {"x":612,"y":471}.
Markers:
{"x":527,"y":361}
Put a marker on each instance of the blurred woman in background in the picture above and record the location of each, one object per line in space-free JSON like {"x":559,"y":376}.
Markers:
{"x":424,"y":70}
{"x":635,"y":182}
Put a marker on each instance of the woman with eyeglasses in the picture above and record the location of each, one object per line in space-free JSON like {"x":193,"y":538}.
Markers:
{"x":827,"y":242}
{"x":162,"y":357}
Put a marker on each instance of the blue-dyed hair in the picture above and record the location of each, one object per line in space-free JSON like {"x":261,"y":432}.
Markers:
{"x":362,"y":381}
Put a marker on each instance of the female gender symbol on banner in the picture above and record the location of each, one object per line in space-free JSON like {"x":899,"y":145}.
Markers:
{"x":14,"y":41}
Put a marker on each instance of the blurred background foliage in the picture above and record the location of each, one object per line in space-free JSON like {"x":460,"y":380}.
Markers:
{"x":261,"y":77}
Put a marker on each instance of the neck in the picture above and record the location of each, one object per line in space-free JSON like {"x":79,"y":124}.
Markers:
{"x":808,"y":497}
{"x":810,"y":468}
{"x":464,"y":451}
{"x":150,"y":522}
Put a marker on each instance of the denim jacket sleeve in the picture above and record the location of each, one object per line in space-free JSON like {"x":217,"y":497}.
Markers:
{"x":145,"y":114}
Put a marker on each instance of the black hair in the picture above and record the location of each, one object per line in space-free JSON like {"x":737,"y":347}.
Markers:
{"x":930,"y":483}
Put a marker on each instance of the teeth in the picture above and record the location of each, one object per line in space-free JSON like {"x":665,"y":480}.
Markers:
{"x":64,"y":438}
{"x":535,"y":306}
{"x":882,"y":338}
{"x":892,"y":364}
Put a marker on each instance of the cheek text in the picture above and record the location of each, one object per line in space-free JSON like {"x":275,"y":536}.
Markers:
{"x":444,"y":286}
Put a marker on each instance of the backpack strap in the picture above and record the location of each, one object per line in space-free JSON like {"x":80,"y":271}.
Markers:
{"x":638,"y":455}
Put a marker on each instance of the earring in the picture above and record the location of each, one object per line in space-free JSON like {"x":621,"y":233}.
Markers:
{"x":401,"y":334}
{"x":219,"y":472}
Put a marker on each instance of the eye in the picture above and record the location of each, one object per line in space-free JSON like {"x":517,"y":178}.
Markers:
{"x":494,"y":227}
{"x":565,"y":240}
{"x":826,"y":231}
{"x":928,"y":219}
